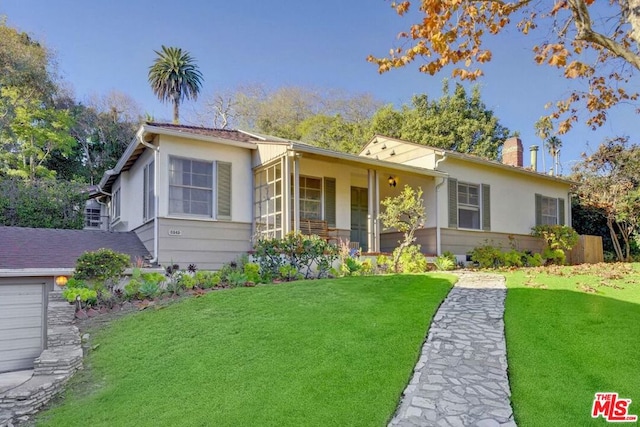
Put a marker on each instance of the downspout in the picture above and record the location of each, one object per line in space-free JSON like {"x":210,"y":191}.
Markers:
{"x":438,"y":228}
{"x":101,"y":191}
{"x":156,"y":227}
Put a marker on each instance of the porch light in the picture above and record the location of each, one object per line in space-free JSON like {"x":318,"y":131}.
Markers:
{"x":392,"y":181}
{"x":61,"y":281}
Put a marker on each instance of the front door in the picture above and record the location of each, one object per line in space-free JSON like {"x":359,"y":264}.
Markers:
{"x":359,"y":213}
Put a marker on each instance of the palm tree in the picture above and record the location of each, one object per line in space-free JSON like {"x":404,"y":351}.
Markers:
{"x":175,"y":77}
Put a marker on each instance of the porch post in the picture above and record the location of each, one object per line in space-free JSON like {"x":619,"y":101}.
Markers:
{"x":296,"y":191}
{"x":370,"y":211}
{"x":376,"y":212}
{"x":286,"y":195}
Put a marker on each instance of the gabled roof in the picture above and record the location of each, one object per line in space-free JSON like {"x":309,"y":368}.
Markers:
{"x":229,"y":134}
{"x":468,"y":158}
{"x":147,"y":132}
{"x":55,"y":248}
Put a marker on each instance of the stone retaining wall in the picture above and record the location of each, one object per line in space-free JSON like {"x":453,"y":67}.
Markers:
{"x":52,"y":369}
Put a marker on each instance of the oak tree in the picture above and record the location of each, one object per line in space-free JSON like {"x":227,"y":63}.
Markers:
{"x":596,"y":43}
{"x":610,"y":182}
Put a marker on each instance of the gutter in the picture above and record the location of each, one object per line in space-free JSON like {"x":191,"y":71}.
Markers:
{"x":438,"y":228}
{"x":156,"y":208}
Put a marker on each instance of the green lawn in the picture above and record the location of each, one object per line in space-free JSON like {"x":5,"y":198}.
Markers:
{"x":312,"y":353}
{"x":572,"y":332}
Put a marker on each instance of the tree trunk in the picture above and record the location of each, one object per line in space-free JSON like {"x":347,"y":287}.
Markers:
{"x":614,"y":240}
{"x":176,"y":110}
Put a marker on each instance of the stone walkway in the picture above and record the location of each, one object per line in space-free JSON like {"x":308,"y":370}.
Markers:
{"x":461,"y":376}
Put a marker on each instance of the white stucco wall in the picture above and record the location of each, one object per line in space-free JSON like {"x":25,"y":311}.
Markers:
{"x":512,"y":194}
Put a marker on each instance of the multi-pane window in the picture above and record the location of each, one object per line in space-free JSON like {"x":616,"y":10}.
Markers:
{"x":149,"y":203}
{"x":268,"y":201}
{"x":115,"y":205}
{"x":549,"y":210}
{"x":92,"y":217}
{"x":190,"y":187}
{"x":468,"y":206}
{"x":549,"y":207}
{"x":310,"y":197}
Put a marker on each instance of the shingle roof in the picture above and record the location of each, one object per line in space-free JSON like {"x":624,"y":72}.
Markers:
{"x":54,"y":248}
{"x":233,"y":135}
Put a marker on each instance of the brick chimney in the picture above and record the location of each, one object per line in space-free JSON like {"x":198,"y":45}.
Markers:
{"x":512,"y":152}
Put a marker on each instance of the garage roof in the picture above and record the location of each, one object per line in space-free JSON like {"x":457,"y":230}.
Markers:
{"x":54,"y":248}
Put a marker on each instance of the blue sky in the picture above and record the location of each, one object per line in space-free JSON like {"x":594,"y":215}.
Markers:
{"x":105,"y":45}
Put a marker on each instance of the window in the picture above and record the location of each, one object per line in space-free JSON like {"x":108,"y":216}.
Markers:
{"x":268,"y":201}
{"x":310,"y":197}
{"x":115,"y":205}
{"x":92,"y":217}
{"x":469,"y":205}
{"x":549,"y":210}
{"x":149,"y":202}
{"x":190,"y":187}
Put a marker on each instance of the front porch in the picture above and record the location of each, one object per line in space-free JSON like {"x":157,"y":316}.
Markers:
{"x":337,"y":198}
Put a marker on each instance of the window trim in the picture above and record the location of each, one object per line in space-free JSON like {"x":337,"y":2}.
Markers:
{"x":468,"y":206}
{"x":148,"y":192}
{"x":211,"y":189}
{"x":559,"y":210}
{"x":214,"y":191}
{"x":320,"y":201}
{"x":116,"y":210}
{"x":484,"y":205}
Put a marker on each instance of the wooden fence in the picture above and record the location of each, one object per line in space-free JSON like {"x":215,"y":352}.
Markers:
{"x":587,"y":251}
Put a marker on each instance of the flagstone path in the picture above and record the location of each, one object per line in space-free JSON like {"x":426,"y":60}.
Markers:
{"x":461,"y":376}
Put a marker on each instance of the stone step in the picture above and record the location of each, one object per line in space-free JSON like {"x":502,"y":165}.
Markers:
{"x":58,"y":336}
{"x":64,"y":360}
{"x":28,"y":397}
{"x":60,"y":313}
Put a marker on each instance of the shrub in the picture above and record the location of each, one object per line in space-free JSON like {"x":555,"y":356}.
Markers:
{"x":236,"y":278}
{"x":102,"y":267}
{"x":295,"y":250}
{"x":186,"y":281}
{"x":535,"y":260}
{"x":514,"y":258}
{"x":252,"y":271}
{"x":558,"y":238}
{"x":487,"y":256}
{"x":132,"y":288}
{"x":411,"y":260}
{"x":383,"y":263}
{"x":444,"y":263}
{"x":87,"y":297}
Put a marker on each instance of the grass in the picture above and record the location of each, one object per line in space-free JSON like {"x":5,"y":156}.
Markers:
{"x":572,"y":332}
{"x":314,"y":353}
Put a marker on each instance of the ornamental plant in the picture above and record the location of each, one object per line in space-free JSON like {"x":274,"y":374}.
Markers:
{"x":558,"y":239}
{"x":103,"y":267}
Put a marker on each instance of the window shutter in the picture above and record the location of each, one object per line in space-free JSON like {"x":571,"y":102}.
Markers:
{"x":224,"y":190}
{"x":561,"y":212}
{"x":330,"y":201}
{"x":486,"y":207}
{"x":538,"y":209}
{"x":452,"y":183}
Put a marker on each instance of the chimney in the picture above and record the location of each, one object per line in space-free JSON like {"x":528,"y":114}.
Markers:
{"x":512,"y":152}
{"x":534,"y":157}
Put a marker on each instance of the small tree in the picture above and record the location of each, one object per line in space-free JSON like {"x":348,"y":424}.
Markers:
{"x":610,"y":182}
{"x":406,"y":214}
